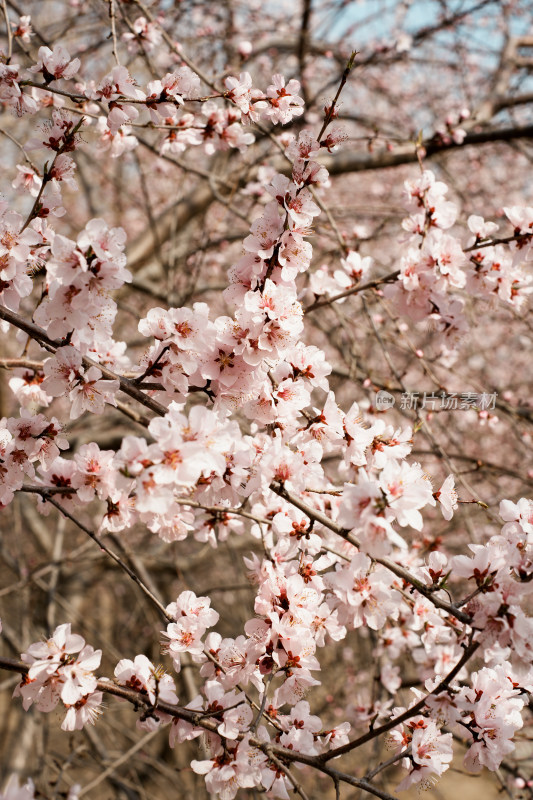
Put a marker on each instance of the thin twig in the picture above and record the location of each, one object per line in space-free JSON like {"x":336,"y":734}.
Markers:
{"x":391,"y":278}
{"x":469,"y":651}
{"x":113,"y":20}
{"x":8,"y":32}
{"x":49,"y":499}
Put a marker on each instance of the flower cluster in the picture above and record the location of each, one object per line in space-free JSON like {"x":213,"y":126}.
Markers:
{"x":62,"y":668}
{"x":79,"y":278}
{"x":436,"y":265}
{"x":19,"y":255}
{"x":247,"y":430}
{"x":152,"y":683}
{"x":430,"y":751}
{"x":193,"y":617}
{"x":23,"y":442}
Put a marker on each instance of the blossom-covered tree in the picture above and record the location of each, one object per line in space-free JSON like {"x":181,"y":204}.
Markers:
{"x":264,"y":425}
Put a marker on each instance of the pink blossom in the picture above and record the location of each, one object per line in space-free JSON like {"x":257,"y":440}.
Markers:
{"x":95,"y":474}
{"x":431,"y":753}
{"x":142,"y":676}
{"x":61,"y":371}
{"x":521,"y":217}
{"x":521,"y":512}
{"x":265,"y":232}
{"x":407,"y":490}
{"x":365,"y":594}
{"x":55,"y":673}
{"x":84,"y":711}
{"x":145,"y":36}
{"x":447,"y":497}
{"x":77,"y":678}
{"x":23,"y":29}
{"x":282,"y":102}
{"x":118,"y":142}
{"x":354,"y":269}
{"x":118,"y":83}
{"x":27,"y":180}
{"x":480,"y":228}
{"x":55,"y":64}
{"x":240,"y":91}
{"x":197,"y":608}
{"x":92,"y":393}
{"x":14,"y":791}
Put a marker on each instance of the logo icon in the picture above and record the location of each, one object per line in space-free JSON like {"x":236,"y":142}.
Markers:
{"x":384,"y":400}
